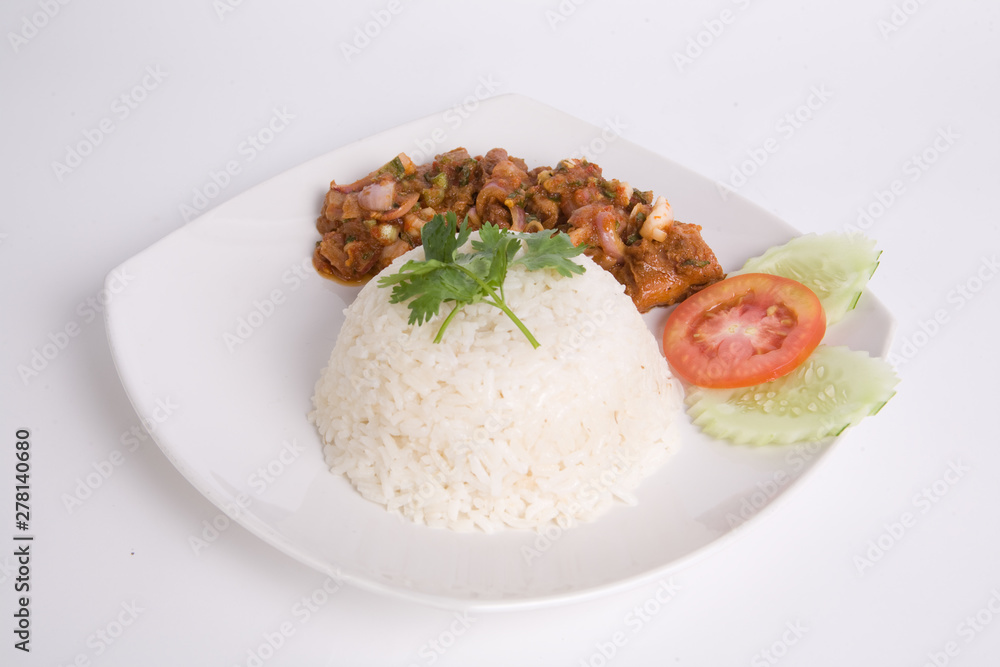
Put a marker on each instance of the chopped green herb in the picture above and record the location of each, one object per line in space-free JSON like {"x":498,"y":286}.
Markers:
{"x":695,"y":262}
{"x":395,"y":166}
{"x":432,"y":197}
{"x":447,"y":276}
{"x":634,"y":238}
{"x":607,"y":189}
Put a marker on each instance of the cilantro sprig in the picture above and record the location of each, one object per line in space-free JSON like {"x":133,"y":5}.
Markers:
{"x":448,"y":276}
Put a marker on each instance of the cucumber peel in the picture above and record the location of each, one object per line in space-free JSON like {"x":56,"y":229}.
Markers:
{"x":834,"y":265}
{"x":834,"y":389}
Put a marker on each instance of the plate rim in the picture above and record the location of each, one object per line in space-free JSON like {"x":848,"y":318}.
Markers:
{"x":260,"y":529}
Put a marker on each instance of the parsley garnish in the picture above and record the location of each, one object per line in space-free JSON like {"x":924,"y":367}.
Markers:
{"x":448,"y":276}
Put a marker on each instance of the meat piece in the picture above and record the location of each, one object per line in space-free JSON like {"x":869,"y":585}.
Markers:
{"x":453,"y":180}
{"x":492,"y":158}
{"x":661,"y":274}
{"x":391,"y":252}
{"x":502,"y":199}
{"x":497,"y":155}
{"x":348,"y":253}
{"x":544,"y":209}
{"x":573,"y":184}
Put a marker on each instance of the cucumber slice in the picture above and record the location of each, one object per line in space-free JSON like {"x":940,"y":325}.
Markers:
{"x":835,"y":388}
{"x":835,"y":266}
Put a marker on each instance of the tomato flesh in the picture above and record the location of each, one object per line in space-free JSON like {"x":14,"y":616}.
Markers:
{"x":743,"y":330}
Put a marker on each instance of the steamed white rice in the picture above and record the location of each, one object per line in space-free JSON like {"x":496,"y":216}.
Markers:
{"x":483,"y":431}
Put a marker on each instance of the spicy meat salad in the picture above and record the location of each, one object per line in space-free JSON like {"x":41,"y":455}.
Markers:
{"x":367,"y":224}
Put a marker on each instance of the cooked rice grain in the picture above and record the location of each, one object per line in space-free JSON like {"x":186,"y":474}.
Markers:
{"x":483,"y":431}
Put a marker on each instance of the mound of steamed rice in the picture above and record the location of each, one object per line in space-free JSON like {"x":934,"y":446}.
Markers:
{"x":483,"y":431}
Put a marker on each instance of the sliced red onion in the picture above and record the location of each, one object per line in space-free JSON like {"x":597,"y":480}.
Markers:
{"x":611,"y":243}
{"x":348,"y":188}
{"x":517,"y":219}
{"x":377,"y":196}
{"x":402,"y":209}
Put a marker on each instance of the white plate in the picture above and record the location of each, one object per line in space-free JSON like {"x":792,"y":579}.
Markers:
{"x":226,"y":320}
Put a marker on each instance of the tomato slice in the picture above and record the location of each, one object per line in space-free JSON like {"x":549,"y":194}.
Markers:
{"x":743,"y":330}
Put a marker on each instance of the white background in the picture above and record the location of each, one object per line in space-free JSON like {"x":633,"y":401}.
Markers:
{"x":888,"y":81}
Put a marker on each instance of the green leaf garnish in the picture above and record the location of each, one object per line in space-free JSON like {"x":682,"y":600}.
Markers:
{"x":553,"y":251}
{"x":447,"y":276}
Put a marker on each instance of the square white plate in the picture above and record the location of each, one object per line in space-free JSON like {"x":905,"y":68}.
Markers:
{"x":226,"y":319}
